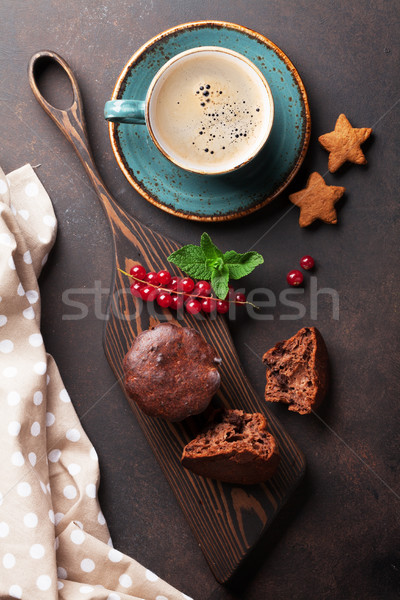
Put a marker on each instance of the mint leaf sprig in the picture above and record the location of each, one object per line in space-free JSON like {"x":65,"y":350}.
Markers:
{"x":209,"y":263}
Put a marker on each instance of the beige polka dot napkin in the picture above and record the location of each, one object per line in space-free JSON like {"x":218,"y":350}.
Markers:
{"x":54,"y":541}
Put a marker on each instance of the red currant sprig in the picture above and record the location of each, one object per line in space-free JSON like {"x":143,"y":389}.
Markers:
{"x":177,"y":292}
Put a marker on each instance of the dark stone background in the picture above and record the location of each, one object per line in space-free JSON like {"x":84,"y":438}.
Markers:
{"x":338,"y":538}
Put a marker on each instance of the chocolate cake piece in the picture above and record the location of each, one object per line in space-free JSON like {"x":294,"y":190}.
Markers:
{"x":171,"y":372}
{"x":297,"y":371}
{"x":235,"y":448}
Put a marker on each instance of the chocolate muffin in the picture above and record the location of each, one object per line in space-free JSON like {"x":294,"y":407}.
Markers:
{"x":171,"y":372}
{"x":235,"y":448}
{"x":297,"y":371}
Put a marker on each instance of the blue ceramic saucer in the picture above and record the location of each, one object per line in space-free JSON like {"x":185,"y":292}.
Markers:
{"x":221,"y":197}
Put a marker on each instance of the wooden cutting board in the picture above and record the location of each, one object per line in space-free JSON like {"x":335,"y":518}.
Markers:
{"x":227,"y":520}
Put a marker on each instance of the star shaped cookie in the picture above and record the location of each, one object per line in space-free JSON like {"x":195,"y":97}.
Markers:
{"x":317,"y":201}
{"x":344,"y":144}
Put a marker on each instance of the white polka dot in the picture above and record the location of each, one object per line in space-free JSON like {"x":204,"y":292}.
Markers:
{"x":24,"y":214}
{"x":49,"y":220}
{"x":44,"y":259}
{"x":6,"y":346}
{"x":109,"y":542}
{"x":74,"y":469}
{"x":14,"y":428}
{"x":13,"y":398}
{"x":54,"y":455}
{"x":161,"y":598}
{"x":44,"y":488}
{"x":38,"y":398}
{"x":91,"y":490}
{"x":31,"y":190}
{"x":73,"y":435}
{"x":101,"y":519}
{"x":30,"y":520}
{"x":24,"y":489}
{"x":15,"y":591}
{"x":35,"y":340}
{"x":58,"y":517}
{"x":60,"y":585}
{"x":35,"y":429}
{"x":3,"y":320}
{"x":29,"y":313}
{"x":27,"y":258}
{"x":79,"y":524}
{"x":64,"y":396}
{"x":43,"y":582}
{"x":47,"y":379}
{"x":3,"y":187}
{"x":32,"y":296}
{"x":50,"y":419}
{"x":87,"y":565}
{"x":11,"y":263}
{"x":51,"y":516}
{"x":20,"y":290}
{"x":6,"y":240}
{"x":44,"y":240}
{"x":48,"y":488}
{"x":17,"y":459}
{"x":62,"y":573}
{"x":70,"y":492}
{"x":40,"y":368}
{"x":125,"y":580}
{"x":8,"y":560}
{"x":4,"y":529}
{"x":77,"y":536}
{"x":113,"y":596}
{"x":115,"y":555}
{"x":13,"y":209}
{"x":10,"y":372}
{"x":32,"y":458}
{"x":36,"y":551}
{"x":93,"y":454}
{"x":86,"y":589}
{"x":151,"y":576}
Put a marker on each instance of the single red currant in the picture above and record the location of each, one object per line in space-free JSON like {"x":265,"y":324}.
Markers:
{"x":239,"y":298}
{"x":202,"y":288}
{"x":173,"y":284}
{"x":164,"y":300}
{"x":209,"y":305}
{"x":193,"y":307}
{"x":307,"y":262}
{"x":187,"y":285}
{"x":222,"y":307}
{"x":148,"y":293}
{"x":135,"y":289}
{"x":294,"y":277}
{"x":152,"y":278}
{"x":164,"y":277}
{"x":138,"y":271}
{"x":176,"y":302}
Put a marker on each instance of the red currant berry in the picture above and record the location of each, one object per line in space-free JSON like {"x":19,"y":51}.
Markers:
{"x":222,"y":307}
{"x":294,"y":277}
{"x":187,"y":285}
{"x":209,"y":305}
{"x":164,"y":299}
{"x":202,"y":288}
{"x":164,"y":277}
{"x":152,"y":278}
{"x":176,"y":302}
{"x":240,"y":298}
{"x":173,"y":284}
{"x":307,"y":262}
{"x":138,"y":271}
{"x":193,"y":307}
{"x":135,"y":289}
{"x":148,"y":293}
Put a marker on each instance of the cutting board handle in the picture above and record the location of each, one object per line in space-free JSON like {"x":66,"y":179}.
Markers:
{"x":72,"y":124}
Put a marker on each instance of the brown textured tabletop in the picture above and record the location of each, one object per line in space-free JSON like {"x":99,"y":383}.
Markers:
{"x":338,"y":537}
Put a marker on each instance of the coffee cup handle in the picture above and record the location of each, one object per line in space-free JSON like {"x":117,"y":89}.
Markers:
{"x":125,"y":111}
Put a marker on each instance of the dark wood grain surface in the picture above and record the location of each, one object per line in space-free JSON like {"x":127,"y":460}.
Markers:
{"x":338,"y":537}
